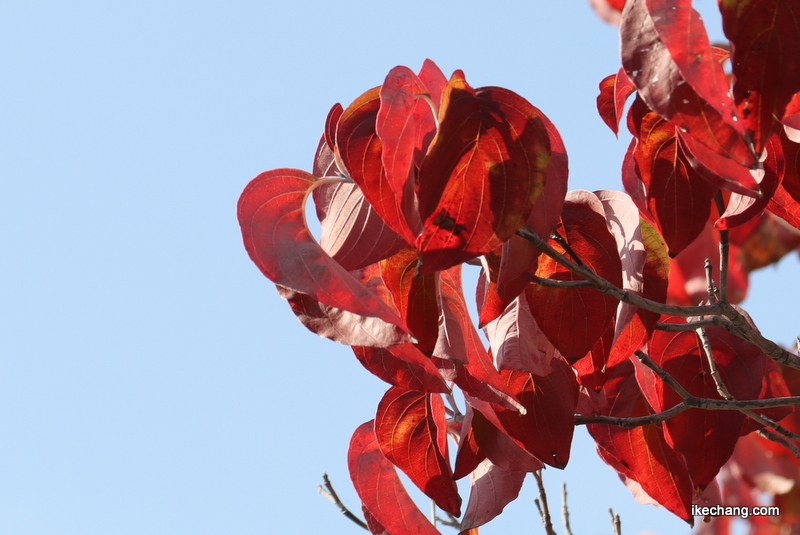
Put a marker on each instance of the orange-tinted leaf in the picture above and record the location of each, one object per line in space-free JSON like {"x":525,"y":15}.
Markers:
{"x":614,"y":91}
{"x":379,"y":488}
{"x":574,"y":318}
{"x":492,"y":489}
{"x":402,"y":365}
{"x":765,"y":35}
{"x":277,"y":240}
{"x":360,"y":150}
{"x":482,"y":174}
{"x":641,"y":453}
{"x":410,"y":428}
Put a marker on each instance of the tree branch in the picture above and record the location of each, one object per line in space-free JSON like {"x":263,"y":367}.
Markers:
{"x":740,"y":326}
{"x":723,"y":251}
{"x":329,"y":493}
{"x":544,"y":511}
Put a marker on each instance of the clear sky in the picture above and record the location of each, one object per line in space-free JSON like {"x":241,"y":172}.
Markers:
{"x":151,"y":380}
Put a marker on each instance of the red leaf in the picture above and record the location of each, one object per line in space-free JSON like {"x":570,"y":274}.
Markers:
{"x":499,"y":448}
{"x":352,"y":233}
{"x":482,"y":174}
{"x":331,"y":124}
{"x":411,"y":431}
{"x":680,"y":28}
{"x":649,"y":64}
{"x":434,"y":80}
{"x":416,"y":298}
{"x":705,"y":438}
{"x":641,"y":453}
{"x":379,"y":488}
{"x":402,"y":365}
{"x":546,"y":429}
{"x":459,"y":342}
{"x":340,"y":325}
{"x":741,"y":209}
{"x":718,"y":168}
{"x":765,"y":35}
{"x":270,"y":213}
{"x":614,"y":91}
{"x":360,"y":150}
{"x":406,"y":126}
{"x":574,"y":318}
{"x":677,"y":197}
{"x":492,"y":489}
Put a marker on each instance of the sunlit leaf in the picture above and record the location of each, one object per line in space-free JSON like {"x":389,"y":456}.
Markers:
{"x":409,"y":427}
{"x":402,"y":365}
{"x":270,"y":213}
{"x":482,"y":174}
{"x":492,"y":489}
{"x":379,"y":488}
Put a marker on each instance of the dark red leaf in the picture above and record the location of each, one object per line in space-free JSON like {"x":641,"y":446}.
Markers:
{"x":765,"y":35}
{"x":705,"y":438}
{"x":648,"y":62}
{"x":379,"y":488}
{"x":574,"y":318}
{"x":641,"y":453}
{"x":402,"y":365}
{"x":482,"y":174}
{"x":499,"y":448}
{"x":741,"y":209}
{"x":411,"y":431}
{"x":416,"y":298}
{"x":546,"y":429}
{"x":717,"y":168}
{"x":270,"y":213}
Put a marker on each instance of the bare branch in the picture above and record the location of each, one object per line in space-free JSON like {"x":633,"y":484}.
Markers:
{"x":329,"y":493}
{"x":607,"y":288}
{"x":553,"y":283}
{"x":718,"y":321}
{"x":616,"y":524}
{"x":663,"y":375}
{"x":565,"y":510}
{"x":544,"y":511}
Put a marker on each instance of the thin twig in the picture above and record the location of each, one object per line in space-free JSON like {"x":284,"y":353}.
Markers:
{"x":565,"y":510}
{"x":544,"y":511}
{"x":563,"y":243}
{"x":616,"y":523}
{"x":662,"y":374}
{"x":711,"y":288}
{"x":329,"y":493}
{"x":741,"y":327}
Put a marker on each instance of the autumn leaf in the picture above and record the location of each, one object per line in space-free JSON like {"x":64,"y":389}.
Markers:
{"x":379,"y":488}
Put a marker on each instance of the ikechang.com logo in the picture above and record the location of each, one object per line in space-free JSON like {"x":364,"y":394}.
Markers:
{"x":740,"y":511}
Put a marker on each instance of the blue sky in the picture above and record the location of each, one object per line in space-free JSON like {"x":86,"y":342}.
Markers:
{"x":152,"y":380}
